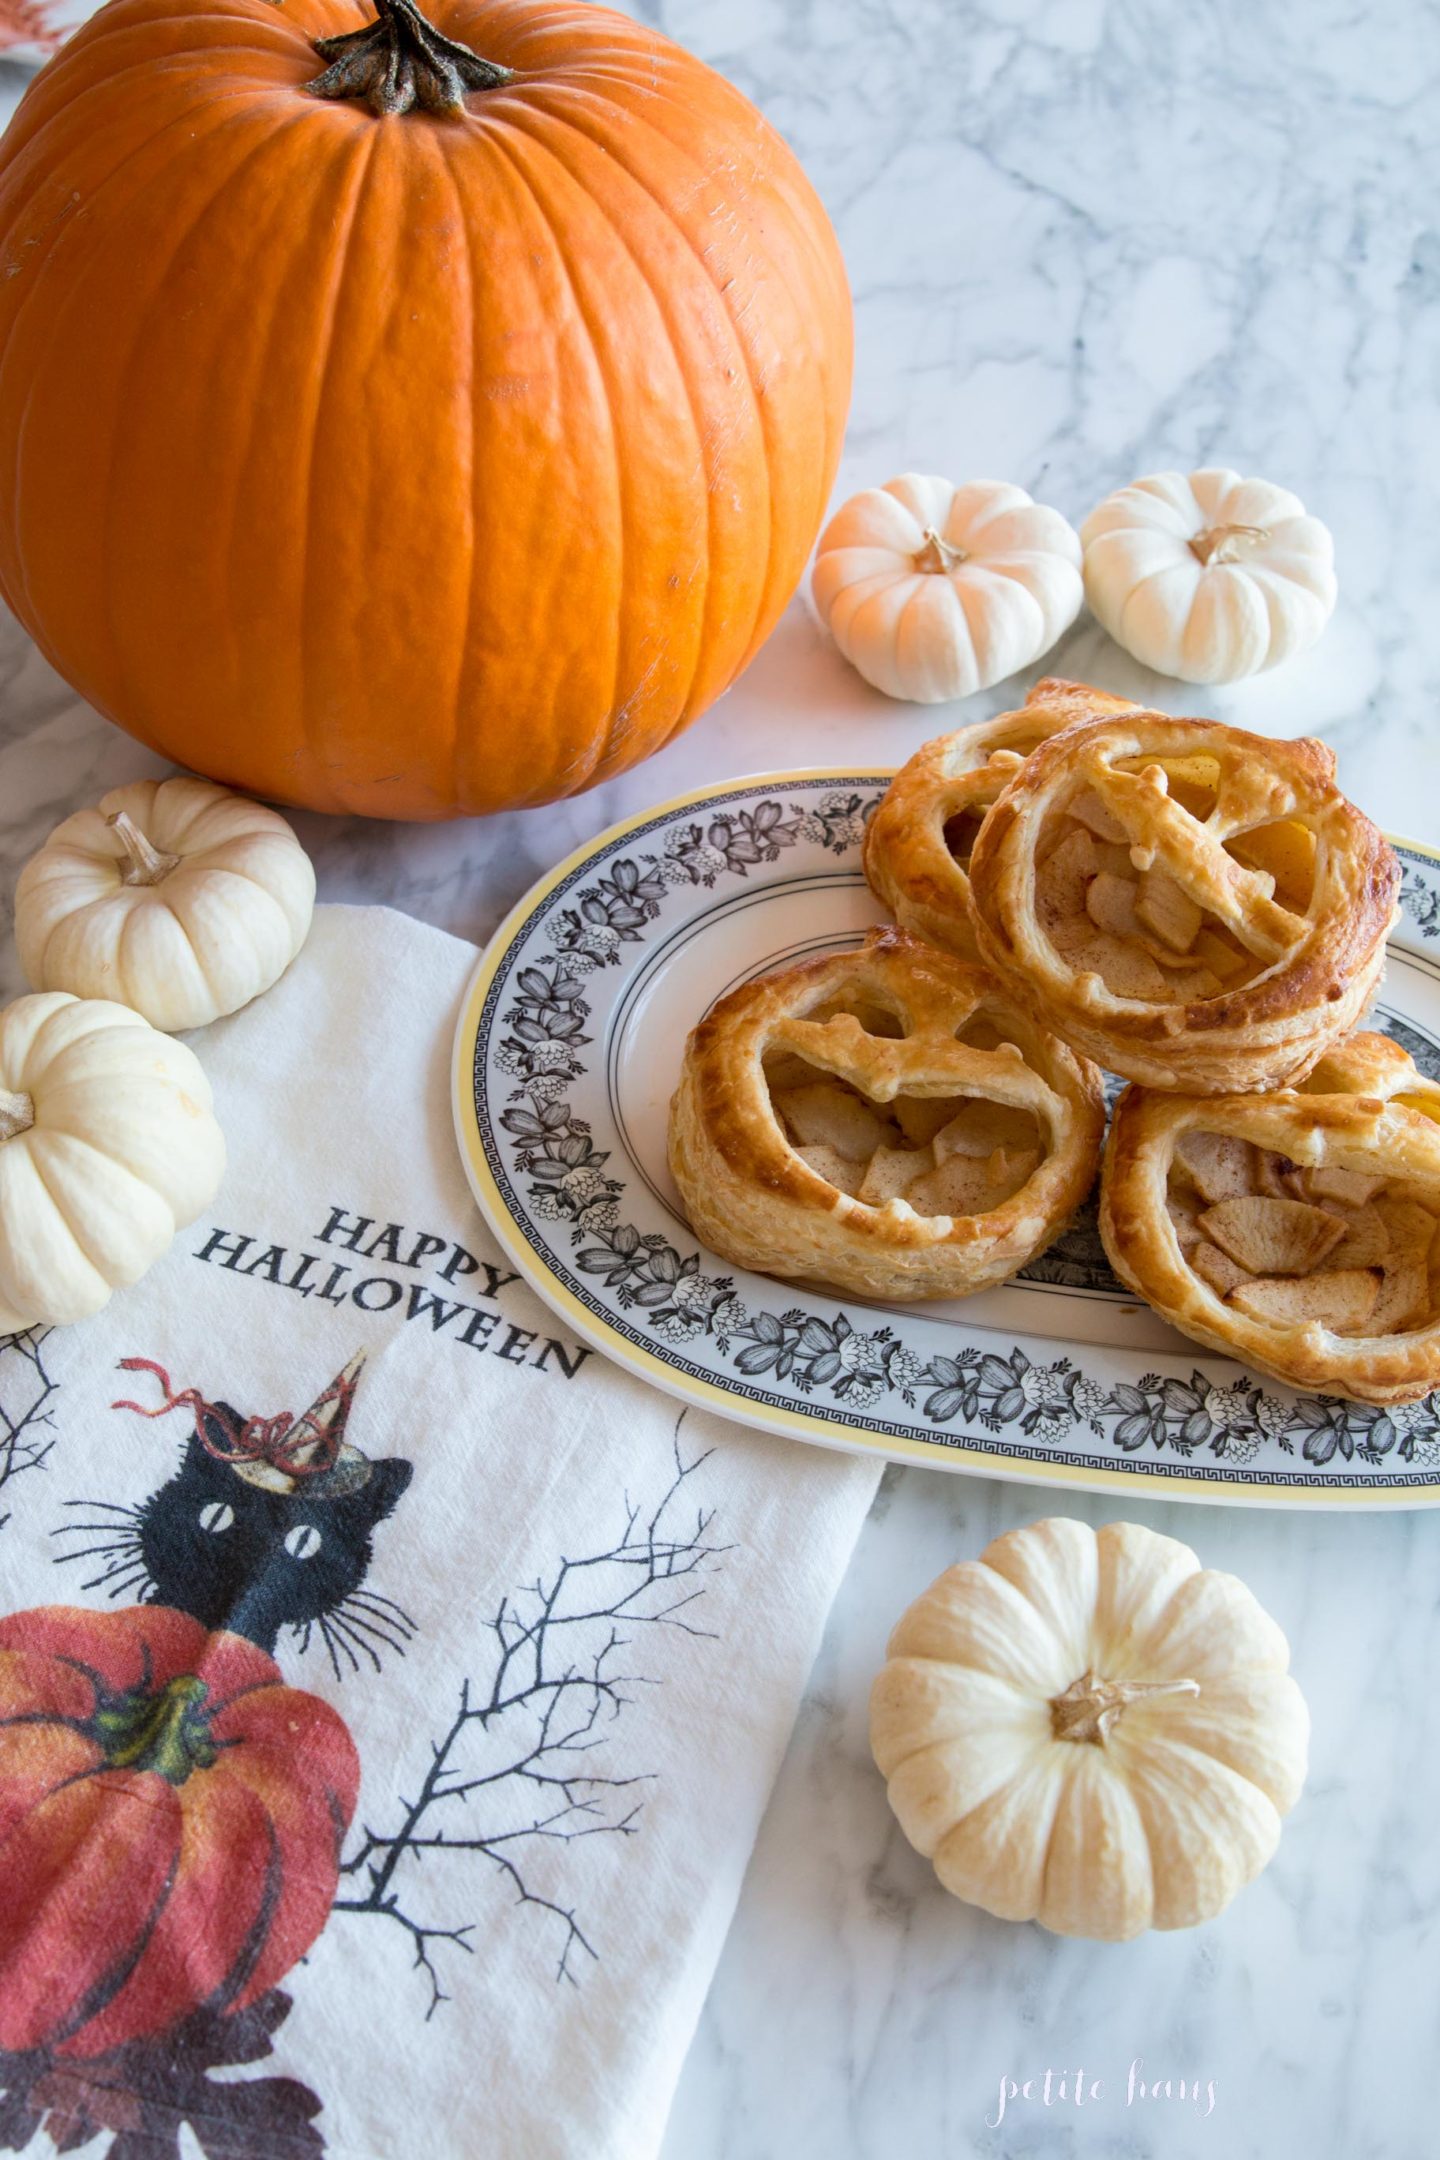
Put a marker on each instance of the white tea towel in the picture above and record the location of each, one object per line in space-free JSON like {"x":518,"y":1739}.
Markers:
{"x":389,"y":1789}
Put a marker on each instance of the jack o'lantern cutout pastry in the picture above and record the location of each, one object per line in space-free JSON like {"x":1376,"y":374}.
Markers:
{"x":1191,"y":906}
{"x":918,"y":843}
{"x":883,"y":1121}
{"x":1299,"y":1231}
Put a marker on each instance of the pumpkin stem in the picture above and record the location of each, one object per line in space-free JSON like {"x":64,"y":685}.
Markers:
{"x":168,"y":1733}
{"x":17,"y":1115}
{"x":145,"y":864}
{"x":1227,"y":543}
{"x":938,"y":554}
{"x":401,"y":60}
{"x":1090,"y":1706}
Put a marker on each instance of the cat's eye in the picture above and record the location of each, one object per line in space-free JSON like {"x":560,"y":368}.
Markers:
{"x":303,"y":1542}
{"x":216,"y":1516}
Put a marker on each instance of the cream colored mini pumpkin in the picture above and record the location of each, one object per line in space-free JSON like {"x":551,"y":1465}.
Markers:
{"x":933,"y":591}
{"x":176,"y":897}
{"x":1090,"y":1730}
{"x":1208,"y":577}
{"x":108,"y":1146}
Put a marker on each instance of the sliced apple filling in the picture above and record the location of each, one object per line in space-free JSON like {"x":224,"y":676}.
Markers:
{"x":1121,"y":883}
{"x":942,"y":1154}
{"x":1288,"y":1245}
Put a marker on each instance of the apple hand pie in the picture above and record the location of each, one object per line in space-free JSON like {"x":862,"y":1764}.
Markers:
{"x":1191,"y":906}
{"x":1295,"y":1231}
{"x":918,"y":843}
{"x":883,"y":1121}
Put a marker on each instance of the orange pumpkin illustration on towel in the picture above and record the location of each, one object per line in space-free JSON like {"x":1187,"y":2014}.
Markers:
{"x":172,"y":1812}
{"x":171,"y":1816}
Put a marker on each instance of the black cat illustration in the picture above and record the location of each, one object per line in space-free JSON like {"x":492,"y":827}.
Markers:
{"x":266,"y":1525}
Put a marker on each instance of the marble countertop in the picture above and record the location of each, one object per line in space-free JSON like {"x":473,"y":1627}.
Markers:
{"x":1088,"y":239}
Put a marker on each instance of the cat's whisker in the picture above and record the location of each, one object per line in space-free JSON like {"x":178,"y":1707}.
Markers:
{"x":329,"y":1646}
{"x":111,"y":1507}
{"x":378,"y":1597}
{"x":113,"y":1563}
{"x":348,"y":1633}
{"x":367,"y":1635}
{"x":88,"y":1552}
{"x":123,"y":1564}
{"x":389,"y":1614}
{"x":118,"y":1584}
{"x":394,"y":1643}
{"x":351,"y":1604}
{"x":120,"y":1533}
{"x":330,"y":1640}
{"x":381,"y":1625}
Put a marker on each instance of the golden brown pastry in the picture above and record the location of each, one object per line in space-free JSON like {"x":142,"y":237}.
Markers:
{"x":917,"y":845}
{"x":1191,"y":906}
{"x":883,"y":1121}
{"x":1295,"y":1231}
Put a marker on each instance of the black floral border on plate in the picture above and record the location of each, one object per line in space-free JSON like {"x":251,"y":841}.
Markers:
{"x":860,"y":1374}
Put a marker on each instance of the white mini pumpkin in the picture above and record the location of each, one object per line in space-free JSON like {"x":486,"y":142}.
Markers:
{"x":108,"y":1146}
{"x":176,"y":897}
{"x":1090,"y":1730}
{"x":933,"y":591}
{"x":1208,"y":577}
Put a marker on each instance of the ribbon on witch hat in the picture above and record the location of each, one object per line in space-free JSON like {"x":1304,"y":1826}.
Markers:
{"x":297,"y":1447}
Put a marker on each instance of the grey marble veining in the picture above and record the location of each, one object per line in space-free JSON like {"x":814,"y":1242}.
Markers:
{"x":1087,"y":238}
{"x":859,"y":2011}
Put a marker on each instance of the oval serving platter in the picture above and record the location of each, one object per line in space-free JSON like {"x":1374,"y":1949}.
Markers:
{"x":567,"y":1053}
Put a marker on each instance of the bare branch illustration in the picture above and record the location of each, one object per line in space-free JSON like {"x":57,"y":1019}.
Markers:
{"x":26,"y":1412}
{"x":525,"y":1762}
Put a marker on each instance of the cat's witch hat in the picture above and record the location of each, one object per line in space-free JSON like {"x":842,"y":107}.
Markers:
{"x":314,"y":1450}
{"x":281,"y":1453}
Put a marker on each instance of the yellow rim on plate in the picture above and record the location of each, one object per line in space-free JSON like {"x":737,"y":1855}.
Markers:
{"x":811,"y":1426}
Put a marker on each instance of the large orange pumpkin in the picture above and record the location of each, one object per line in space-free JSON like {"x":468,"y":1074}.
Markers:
{"x":170,"y":1822}
{"x":415,"y":462}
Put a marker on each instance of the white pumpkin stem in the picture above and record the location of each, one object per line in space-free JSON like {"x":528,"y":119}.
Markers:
{"x":1089,"y":1707}
{"x":145,"y":863}
{"x":938,"y":554}
{"x":17,"y":1115}
{"x":1227,"y":543}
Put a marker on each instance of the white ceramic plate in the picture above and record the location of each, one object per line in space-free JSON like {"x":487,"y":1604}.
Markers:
{"x":568,"y":1050}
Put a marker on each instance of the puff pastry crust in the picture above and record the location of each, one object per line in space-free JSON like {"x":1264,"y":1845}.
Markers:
{"x":883,"y":1121}
{"x":1299,"y":1231}
{"x":918,"y":843}
{"x":1192,"y":906}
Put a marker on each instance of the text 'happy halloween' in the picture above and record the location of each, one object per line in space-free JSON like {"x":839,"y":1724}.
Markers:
{"x":349,"y":1282}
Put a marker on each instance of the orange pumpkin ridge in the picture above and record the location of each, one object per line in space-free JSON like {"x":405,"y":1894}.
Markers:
{"x":171,"y":1815}
{"x":417,"y":464}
